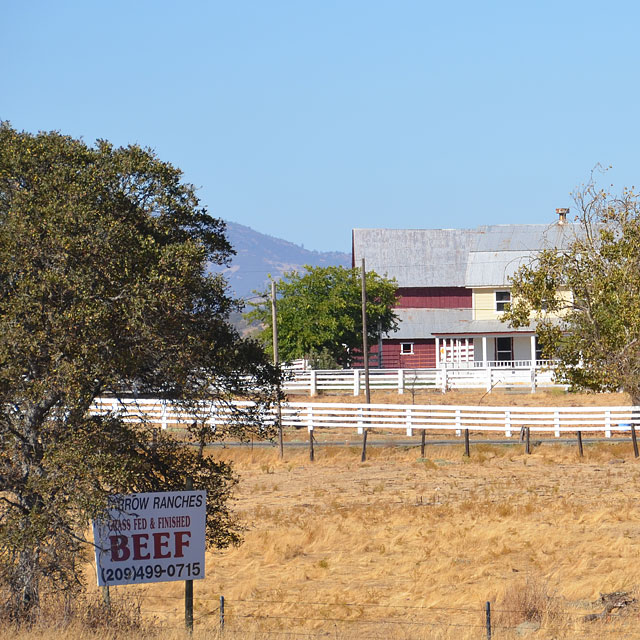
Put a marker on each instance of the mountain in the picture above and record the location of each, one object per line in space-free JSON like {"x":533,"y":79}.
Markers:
{"x":258,"y":255}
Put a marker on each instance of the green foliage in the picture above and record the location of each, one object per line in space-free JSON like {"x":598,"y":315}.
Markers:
{"x":104,"y":290}
{"x":595,"y":330}
{"x":321,"y":311}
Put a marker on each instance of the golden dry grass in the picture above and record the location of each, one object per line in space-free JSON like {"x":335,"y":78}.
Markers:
{"x":498,"y":397}
{"x":403,"y":547}
{"x":399,"y":547}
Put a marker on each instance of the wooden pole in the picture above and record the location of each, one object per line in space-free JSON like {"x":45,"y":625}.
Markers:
{"x":274,"y":323}
{"x":488,"y":620}
{"x":365,"y":354}
{"x":422,"y":436}
{"x":311,"y":451}
{"x":580,"y":450}
{"x":188,"y":587}
{"x":365,"y":345}
{"x":221,"y":613}
{"x":527,"y":437}
{"x":634,"y":440}
{"x":106,"y":597}
{"x":466,"y":443}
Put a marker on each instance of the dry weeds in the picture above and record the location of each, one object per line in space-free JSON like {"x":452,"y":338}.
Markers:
{"x":403,"y":547}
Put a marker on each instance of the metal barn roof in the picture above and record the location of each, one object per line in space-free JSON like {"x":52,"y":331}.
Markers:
{"x":486,"y":256}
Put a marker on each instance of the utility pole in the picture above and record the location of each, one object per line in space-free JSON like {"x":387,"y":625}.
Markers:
{"x":365,"y":354}
{"x":274,"y":323}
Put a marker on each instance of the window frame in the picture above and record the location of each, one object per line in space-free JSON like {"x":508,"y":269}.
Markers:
{"x":508,"y":351}
{"x":500,"y":304}
{"x":406,"y":353}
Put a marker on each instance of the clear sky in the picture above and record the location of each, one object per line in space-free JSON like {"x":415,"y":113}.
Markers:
{"x":306,"y":118}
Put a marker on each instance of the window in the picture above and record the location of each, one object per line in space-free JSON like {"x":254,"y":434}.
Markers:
{"x":538,"y":349}
{"x":504,"y":349}
{"x":406,"y":348}
{"x":503,"y":298}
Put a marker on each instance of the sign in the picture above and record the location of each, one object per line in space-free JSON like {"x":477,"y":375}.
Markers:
{"x":151,"y":537}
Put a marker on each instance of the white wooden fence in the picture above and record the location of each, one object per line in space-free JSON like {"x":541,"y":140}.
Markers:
{"x":405,"y":380}
{"x":393,"y":417}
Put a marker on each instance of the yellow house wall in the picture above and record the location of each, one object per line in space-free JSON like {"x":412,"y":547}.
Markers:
{"x":484,"y":303}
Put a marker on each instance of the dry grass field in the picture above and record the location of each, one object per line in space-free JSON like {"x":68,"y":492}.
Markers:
{"x":402,"y":547}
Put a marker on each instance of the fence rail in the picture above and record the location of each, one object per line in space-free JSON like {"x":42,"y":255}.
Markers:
{"x":402,"y":380}
{"x":393,"y":417}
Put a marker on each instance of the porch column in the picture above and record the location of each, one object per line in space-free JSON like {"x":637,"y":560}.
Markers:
{"x":437,"y":352}
{"x":484,"y":351}
{"x":533,"y":350}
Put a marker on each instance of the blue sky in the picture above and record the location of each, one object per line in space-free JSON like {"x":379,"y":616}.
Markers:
{"x":305,"y":119}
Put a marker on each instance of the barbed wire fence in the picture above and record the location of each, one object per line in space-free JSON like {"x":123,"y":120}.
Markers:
{"x":267,"y":618}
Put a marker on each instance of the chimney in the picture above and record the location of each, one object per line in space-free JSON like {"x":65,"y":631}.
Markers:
{"x":562,"y":215}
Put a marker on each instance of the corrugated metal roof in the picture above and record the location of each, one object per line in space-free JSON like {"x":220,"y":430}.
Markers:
{"x":416,"y":257}
{"x":486,"y":268}
{"x":427,"y":323}
{"x":486,"y":256}
{"x":523,"y":237}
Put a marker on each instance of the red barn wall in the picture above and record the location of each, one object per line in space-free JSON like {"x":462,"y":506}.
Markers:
{"x":423,"y":356}
{"x":434,"y":298}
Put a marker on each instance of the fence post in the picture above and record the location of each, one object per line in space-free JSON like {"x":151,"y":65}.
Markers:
{"x":409,"y":423}
{"x":221,"y":613}
{"x":507,"y":424}
{"x":633,"y":438}
{"x":527,"y":436}
{"x":422,"y":438}
{"x":356,"y":382}
{"x":360,"y":422}
{"x":310,"y":429}
{"x":488,"y":619}
{"x":443,"y":380}
{"x":400,"y":382}
{"x":533,"y":379}
{"x":607,"y":423}
{"x":458,"y":423}
{"x":580,"y":450}
{"x":466,"y":443}
{"x":489,"y":380}
{"x":556,"y":423}
{"x":163,"y":419}
{"x":313,"y":385}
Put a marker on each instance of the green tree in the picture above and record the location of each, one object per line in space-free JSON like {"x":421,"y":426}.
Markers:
{"x":585,"y":295}
{"x":104,"y":290}
{"x":320,"y":311}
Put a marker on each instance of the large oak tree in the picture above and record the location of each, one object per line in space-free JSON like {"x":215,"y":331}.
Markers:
{"x":104,"y":290}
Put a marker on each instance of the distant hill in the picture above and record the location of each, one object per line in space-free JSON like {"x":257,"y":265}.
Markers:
{"x":258,"y":255}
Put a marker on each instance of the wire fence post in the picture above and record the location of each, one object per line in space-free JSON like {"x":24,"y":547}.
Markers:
{"x":467,"y":453}
{"x":488,"y":616}
{"x":221,"y":614}
{"x":634,"y":439}
{"x":580,"y":449}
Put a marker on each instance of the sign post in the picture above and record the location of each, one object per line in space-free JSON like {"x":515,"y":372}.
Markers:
{"x":151,"y":537}
{"x":188,"y":588}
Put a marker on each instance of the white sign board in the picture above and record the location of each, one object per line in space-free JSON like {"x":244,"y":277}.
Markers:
{"x":151,"y":537}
